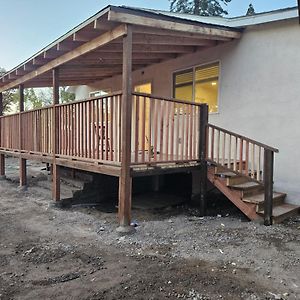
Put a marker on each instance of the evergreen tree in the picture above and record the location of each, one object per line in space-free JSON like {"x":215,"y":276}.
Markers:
{"x":251,"y":10}
{"x":200,"y":7}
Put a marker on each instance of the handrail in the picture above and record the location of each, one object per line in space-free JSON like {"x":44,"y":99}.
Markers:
{"x":244,"y":138}
{"x":167,"y":99}
{"x":117,"y":93}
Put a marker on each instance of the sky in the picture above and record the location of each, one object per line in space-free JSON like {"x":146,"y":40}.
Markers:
{"x":27,"y":26}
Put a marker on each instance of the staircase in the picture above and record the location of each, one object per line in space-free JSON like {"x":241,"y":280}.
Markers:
{"x":242,"y":169}
{"x":248,"y":195}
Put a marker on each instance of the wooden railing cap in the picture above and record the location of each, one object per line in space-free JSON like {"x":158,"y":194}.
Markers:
{"x":266,"y":147}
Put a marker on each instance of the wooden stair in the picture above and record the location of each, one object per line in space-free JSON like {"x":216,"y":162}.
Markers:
{"x":248,"y":194}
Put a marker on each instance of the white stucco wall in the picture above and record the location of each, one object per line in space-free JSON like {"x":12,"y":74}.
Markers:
{"x":259,"y":92}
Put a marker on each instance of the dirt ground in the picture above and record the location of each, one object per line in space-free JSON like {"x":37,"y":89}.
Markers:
{"x":49,"y":253}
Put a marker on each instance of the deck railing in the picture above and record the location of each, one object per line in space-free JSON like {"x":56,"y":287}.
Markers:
{"x":238,"y":153}
{"x":164,"y":130}
{"x":9,"y":136}
{"x":244,"y":156}
{"x":88,"y":129}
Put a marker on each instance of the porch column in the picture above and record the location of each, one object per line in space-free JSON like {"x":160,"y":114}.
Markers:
{"x":202,"y":157}
{"x":23,"y":171}
{"x":125,"y":180}
{"x":2,"y":157}
{"x":55,"y":140}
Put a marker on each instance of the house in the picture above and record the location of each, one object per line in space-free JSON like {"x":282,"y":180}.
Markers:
{"x":167,"y":92}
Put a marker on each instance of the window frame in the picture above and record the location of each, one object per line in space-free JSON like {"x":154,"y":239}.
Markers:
{"x":193,"y":68}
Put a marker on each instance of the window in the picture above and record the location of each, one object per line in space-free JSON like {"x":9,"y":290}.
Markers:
{"x":143,"y":88}
{"x":199,"y":85}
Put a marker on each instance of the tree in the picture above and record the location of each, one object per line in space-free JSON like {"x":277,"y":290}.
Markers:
{"x":251,"y":10}
{"x":10,"y":98}
{"x":66,"y":96}
{"x":200,"y":7}
{"x":33,"y":98}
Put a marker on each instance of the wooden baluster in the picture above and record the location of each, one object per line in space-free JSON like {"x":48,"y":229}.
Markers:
{"x":112,"y":138}
{"x":149,"y":129}
{"x":97,"y":129}
{"x":223,"y":149}
{"x":167,"y":116}
{"x":241,"y":156}
{"x":218,"y":146}
{"x":229,"y":151}
{"x":120,"y":126}
{"x":212,"y":144}
{"x":186,"y":148}
{"x":156,"y":109}
{"x":172,"y":131}
{"x":258,"y":163}
{"x":235,"y":154}
{"x":247,"y":159}
{"x":191,"y":131}
{"x":253,"y":161}
{"x":143,"y":125}
{"x":182,"y":131}
{"x":161,"y":129}
{"x":106,"y":129}
{"x":177,"y":145}
{"x":137,"y":126}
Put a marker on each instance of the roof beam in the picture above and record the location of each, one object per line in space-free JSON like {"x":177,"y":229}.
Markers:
{"x":170,"y":40}
{"x":170,"y":25}
{"x":83,"y":49}
{"x":171,"y":33}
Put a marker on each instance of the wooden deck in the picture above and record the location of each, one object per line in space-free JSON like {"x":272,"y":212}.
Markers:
{"x":88,"y":133}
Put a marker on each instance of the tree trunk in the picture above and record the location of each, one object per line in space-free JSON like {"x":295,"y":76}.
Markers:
{"x":197,"y":7}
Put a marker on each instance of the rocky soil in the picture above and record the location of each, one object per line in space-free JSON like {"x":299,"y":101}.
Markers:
{"x":49,"y":253}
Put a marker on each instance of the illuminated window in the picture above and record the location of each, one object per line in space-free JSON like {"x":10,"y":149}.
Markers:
{"x":199,"y":84}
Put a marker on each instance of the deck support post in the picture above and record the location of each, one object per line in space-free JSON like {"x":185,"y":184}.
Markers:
{"x":22,"y":161}
{"x":2,"y":157}
{"x":125,"y":180}
{"x":268,"y":181}
{"x":202,"y":158}
{"x":55,"y":121}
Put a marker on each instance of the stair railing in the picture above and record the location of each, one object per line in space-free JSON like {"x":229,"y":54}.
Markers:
{"x":246,"y":157}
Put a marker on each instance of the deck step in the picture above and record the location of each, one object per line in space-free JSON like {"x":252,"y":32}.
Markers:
{"x":232,"y":178}
{"x":250,"y":185}
{"x":259,"y":199}
{"x":282,"y":212}
{"x":226,"y":174}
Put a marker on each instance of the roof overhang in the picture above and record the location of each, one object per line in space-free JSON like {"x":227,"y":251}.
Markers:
{"x":93,"y":50}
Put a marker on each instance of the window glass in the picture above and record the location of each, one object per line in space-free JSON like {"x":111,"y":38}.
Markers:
{"x":143,"y":88}
{"x":198,"y":85}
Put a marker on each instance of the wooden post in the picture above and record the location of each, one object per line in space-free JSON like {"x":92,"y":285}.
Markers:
{"x":125,"y":180}
{"x":55,"y":121}
{"x":2,"y":157}
{"x":202,"y":157}
{"x":268,"y":181}
{"x":23,"y":171}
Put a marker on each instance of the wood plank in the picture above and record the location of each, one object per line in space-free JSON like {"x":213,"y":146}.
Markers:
{"x":55,"y":137}
{"x":22,"y":162}
{"x":170,"y":25}
{"x":125,"y":181}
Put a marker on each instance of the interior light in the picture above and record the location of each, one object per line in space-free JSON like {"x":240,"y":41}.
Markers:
{"x":213,"y":83}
